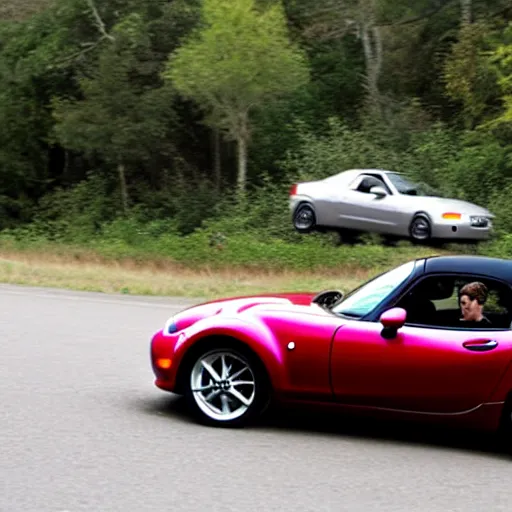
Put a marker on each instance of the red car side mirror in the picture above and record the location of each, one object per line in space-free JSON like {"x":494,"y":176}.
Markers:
{"x":392,"y":320}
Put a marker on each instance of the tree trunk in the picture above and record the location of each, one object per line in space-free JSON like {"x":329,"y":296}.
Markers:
{"x":466,"y":11}
{"x":242,"y":138}
{"x":123,"y":187}
{"x":372,"y":46}
{"x":242,"y":164}
{"x":371,"y":38}
{"x":216,"y":158}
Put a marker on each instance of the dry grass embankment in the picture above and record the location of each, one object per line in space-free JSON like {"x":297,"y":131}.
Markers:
{"x":92,"y":273}
{"x":17,"y":10}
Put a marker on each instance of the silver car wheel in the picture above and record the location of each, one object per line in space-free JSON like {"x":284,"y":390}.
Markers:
{"x":420,"y":228}
{"x":304,"y":218}
{"x":223,"y":385}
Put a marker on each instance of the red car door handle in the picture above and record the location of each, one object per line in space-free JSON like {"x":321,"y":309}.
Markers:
{"x":480,"y":345}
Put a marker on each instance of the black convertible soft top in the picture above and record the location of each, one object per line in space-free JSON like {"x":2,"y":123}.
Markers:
{"x":481,"y":265}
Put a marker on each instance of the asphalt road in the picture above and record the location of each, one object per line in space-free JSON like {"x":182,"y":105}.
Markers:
{"x":83,"y":429}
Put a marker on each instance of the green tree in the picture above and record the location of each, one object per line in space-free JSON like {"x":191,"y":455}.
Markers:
{"x":28,"y":78}
{"x":469,"y":78}
{"x":501,"y":58}
{"x":119,"y":119}
{"x":238,"y":60}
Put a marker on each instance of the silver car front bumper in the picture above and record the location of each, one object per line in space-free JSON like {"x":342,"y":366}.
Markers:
{"x":461,"y":231}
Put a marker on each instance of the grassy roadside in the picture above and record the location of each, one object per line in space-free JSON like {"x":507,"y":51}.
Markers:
{"x":169,"y":280}
{"x":190,"y":267}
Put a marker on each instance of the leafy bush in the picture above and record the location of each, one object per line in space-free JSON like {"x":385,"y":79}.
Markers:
{"x":339,"y":150}
{"x":188,"y":223}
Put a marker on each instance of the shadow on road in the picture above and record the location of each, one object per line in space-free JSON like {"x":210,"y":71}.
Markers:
{"x":308,"y":422}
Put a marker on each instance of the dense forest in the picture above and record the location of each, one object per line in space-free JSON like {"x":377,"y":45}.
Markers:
{"x":191,"y":113}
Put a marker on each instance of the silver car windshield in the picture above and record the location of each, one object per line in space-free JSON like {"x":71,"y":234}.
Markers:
{"x":403,"y":185}
{"x":362,"y":300}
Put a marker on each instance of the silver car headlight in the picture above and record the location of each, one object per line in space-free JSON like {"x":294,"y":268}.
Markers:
{"x":478,"y":221}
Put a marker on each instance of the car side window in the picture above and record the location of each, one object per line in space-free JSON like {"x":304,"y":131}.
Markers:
{"x":435,"y":302}
{"x":365,"y":182}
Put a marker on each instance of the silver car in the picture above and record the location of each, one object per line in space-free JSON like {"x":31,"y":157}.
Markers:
{"x":384,"y":202}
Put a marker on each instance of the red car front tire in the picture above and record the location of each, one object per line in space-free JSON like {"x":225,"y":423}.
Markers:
{"x":226,"y":386}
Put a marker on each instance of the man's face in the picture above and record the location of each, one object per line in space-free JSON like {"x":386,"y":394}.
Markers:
{"x":470,"y":308}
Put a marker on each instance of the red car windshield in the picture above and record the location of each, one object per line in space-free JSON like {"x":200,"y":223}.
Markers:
{"x":365,"y":298}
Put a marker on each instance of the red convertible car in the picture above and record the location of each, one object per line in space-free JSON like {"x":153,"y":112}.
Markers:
{"x":397,"y":347}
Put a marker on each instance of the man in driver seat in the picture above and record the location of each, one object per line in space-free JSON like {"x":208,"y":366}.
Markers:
{"x":473,"y":296}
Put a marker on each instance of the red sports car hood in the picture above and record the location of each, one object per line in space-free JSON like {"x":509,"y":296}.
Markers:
{"x":192,"y":314}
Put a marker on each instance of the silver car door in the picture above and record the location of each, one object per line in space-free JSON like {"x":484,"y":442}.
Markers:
{"x":348,"y":209}
{"x":334,"y":203}
{"x":369,"y":211}
{"x":381,"y":214}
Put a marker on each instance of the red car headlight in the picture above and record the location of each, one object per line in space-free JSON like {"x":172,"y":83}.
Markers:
{"x":170,"y":326}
